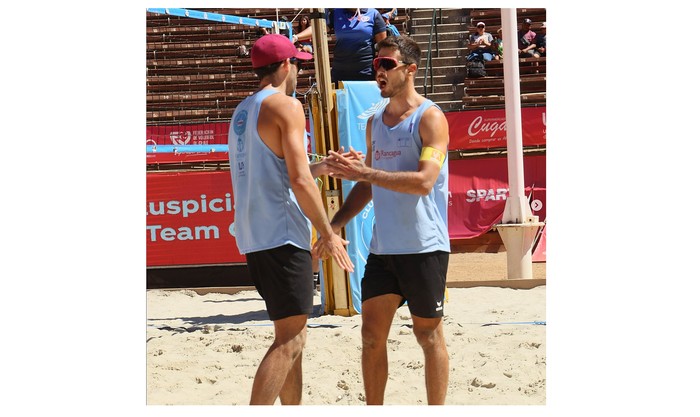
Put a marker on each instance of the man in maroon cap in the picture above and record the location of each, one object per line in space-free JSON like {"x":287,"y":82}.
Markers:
{"x":275,"y":202}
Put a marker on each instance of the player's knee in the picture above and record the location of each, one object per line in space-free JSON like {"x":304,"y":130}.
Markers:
{"x":293,"y":346}
{"x":428,"y":337}
{"x":372,"y":337}
{"x":300,"y":339}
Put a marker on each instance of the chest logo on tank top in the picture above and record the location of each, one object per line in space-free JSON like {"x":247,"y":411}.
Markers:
{"x":404,"y":142}
{"x":239,"y":123}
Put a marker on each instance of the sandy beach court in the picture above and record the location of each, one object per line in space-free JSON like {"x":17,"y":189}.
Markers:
{"x":205,"y":349}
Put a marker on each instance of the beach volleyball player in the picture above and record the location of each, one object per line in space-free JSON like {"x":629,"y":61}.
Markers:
{"x":276,"y":200}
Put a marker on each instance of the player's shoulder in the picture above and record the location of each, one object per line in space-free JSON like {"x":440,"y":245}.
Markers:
{"x":281,"y":103}
{"x":432,"y":117}
{"x":433,"y":111}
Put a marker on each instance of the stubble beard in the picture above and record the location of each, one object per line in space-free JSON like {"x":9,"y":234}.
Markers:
{"x":393,"y":89}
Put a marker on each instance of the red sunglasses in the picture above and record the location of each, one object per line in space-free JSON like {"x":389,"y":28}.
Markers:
{"x":385,"y":62}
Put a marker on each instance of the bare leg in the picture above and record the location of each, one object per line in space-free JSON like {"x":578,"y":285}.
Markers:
{"x":291,"y":390}
{"x":431,"y":338}
{"x":377,"y":315}
{"x":290,"y":337}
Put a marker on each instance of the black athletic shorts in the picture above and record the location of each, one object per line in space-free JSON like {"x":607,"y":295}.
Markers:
{"x":283,"y":276}
{"x":419,"y":278}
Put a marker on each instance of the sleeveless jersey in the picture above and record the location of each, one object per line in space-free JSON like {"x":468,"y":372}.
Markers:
{"x":406,"y":223}
{"x":267,"y":214}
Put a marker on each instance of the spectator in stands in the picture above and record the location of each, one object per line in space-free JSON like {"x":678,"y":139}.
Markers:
{"x":497,"y":48}
{"x":307,"y":45}
{"x":276,"y":202}
{"x":526,"y":40}
{"x":541,"y":41}
{"x":242,"y":51}
{"x":391,"y":30}
{"x":356,"y":32}
{"x":480,"y":44}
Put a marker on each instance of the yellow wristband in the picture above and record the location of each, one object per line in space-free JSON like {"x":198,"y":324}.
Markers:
{"x":432,"y":154}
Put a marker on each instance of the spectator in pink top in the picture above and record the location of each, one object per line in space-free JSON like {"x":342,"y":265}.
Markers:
{"x":526,"y":40}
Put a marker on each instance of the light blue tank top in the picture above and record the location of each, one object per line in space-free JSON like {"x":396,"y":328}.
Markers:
{"x":267,"y":214}
{"x":406,"y":223}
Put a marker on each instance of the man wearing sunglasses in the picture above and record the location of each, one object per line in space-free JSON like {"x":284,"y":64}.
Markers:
{"x":405,"y":176}
{"x":275,"y":197}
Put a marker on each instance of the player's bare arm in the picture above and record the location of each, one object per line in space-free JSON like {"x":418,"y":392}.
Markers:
{"x":290,"y":117}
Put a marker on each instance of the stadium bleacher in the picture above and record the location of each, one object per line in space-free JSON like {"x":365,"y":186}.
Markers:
{"x":194,"y":71}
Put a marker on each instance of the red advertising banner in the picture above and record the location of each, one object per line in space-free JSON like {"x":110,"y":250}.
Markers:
{"x":479,"y":188}
{"x":191,"y":134}
{"x":469,"y":130}
{"x":189,"y":215}
{"x":188,"y":134}
{"x":484,"y":129}
{"x":189,"y":219}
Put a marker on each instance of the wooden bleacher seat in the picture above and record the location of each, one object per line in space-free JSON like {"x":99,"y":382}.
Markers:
{"x":526,"y":65}
{"x":485,"y":13}
{"x":210,"y":62}
{"x":184,"y":97}
{"x":171,"y":50}
{"x":488,"y":92}
{"x":492,"y":17}
{"x":531,"y":83}
{"x":189,"y":115}
{"x":192,"y":64}
{"x":534,"y":98}
{"x":195,"y":63}
{"x":194,"y":71}
{"x":498,"y":101}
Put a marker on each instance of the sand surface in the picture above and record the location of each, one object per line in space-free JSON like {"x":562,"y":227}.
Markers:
{"x":205,"y":349}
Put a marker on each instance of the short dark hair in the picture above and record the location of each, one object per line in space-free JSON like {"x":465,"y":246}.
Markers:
{"x":407,"y":47}
{"x":263,"y":72}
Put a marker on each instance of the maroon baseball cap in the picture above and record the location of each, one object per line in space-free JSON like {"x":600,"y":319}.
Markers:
{"x":274,"y":48}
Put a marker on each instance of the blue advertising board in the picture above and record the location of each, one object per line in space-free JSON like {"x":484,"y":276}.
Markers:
{"x":357,"y":102}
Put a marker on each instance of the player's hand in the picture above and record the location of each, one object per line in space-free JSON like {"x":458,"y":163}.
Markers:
{"x":324,"y":168}
{"x":334,"y":247}
{"x":350,"y":167}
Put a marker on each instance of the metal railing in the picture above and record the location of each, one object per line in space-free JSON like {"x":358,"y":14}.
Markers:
{"x":429,"y":60}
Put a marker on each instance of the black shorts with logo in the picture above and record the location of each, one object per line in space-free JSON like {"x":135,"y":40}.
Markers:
{"x":283,"y":276}
{"x":419,"y":278}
